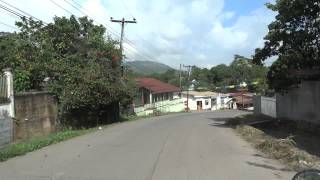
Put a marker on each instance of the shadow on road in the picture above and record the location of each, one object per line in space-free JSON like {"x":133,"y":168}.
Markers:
{"x":219,"y":122}
{"x":267,"y":166}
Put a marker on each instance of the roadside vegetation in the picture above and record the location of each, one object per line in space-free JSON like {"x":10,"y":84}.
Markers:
{"x":23,"y":147}
{"x":283,"y":141}
{"x":75,"y":60}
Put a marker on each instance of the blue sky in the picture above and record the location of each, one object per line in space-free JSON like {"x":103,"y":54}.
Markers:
{"x":196,"y":32}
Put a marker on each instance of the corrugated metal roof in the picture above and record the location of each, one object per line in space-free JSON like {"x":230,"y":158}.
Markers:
{"x":201,"y":93}
{"x":156,"y":86}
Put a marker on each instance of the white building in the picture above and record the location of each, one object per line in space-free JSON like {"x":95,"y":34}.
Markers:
{"x":206,"y":100}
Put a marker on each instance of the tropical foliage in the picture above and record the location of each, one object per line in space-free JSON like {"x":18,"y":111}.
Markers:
{"x":294,"y":39}
{"x":72,"y":58}
{"x":218,"y":77}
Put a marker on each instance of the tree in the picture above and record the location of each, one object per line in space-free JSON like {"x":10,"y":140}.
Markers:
{"x":82,"y":64}
{"x":294,"y":38}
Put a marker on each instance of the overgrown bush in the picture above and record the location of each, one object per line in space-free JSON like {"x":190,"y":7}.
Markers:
{"x":81,"y":65}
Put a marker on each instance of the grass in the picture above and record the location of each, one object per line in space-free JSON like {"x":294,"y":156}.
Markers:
{"x":284,"y":149}
{"x":23,"y":147}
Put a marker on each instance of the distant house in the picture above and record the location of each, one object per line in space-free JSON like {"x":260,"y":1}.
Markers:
{"x":206,"y":100}
{"x":155,"y":95}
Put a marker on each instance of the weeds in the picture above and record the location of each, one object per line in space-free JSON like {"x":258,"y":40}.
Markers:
{"x":284,"y":149}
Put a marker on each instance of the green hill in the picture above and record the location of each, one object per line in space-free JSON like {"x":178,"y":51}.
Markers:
{"x":147,"y":67}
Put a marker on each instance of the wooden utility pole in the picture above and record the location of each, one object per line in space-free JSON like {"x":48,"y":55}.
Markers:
{"x":189,"y":69}
{"x":123,"y":22}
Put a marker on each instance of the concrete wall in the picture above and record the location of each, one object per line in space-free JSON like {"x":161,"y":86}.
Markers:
{"x":269,"y":106}
{"x":162,"y":106}
{"x":265,"y":105}
{"x":301,"y":104}
{"x":256,"y":104}
{"x":36,"y":115}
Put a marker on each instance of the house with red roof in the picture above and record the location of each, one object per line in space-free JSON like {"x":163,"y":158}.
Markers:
{"x":152,"y":90}
{"x":157,"y":95}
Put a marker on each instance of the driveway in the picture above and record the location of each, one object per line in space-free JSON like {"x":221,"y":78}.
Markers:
{"x":193,"y":146}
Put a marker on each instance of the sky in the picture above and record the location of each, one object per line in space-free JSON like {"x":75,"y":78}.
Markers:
{"x":204,"y":33}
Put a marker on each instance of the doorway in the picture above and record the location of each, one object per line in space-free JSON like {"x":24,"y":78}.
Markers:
{"x":199,"y":105}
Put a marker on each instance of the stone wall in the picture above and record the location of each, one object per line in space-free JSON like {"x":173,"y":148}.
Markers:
{"x":300,"y":104}
{"x":36,"y":115}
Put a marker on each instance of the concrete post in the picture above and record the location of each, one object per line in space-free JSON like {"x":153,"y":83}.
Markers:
{"x":9,"y":77}
{"x":150,"y":97}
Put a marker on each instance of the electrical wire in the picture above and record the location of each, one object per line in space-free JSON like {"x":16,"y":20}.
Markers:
{"x":21,"y":11}
{"x":111,"y":30}
{"x":12,"y":27}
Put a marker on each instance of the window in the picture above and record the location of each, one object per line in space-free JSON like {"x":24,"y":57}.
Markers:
{"x":206,"y":102}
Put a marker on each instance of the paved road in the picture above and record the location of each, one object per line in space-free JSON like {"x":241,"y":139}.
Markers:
{"x":175,"y":147}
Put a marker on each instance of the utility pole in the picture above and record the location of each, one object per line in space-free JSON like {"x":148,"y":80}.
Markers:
{"x":189,"y":69}
{"x":123,"y":22}
{"x":180,"y":78}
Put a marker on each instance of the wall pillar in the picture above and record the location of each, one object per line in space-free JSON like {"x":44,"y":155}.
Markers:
{"x":150,"y":97}
{"x":9,"y":78}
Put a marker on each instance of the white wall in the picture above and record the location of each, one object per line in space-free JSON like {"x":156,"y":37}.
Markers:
{"x":222,"y":103}
{"x":265,"y":105}
{"x":269,"y":107}
{"x":301,"y":104}
{"x":175,"y":105}
{"x":193,"y":103}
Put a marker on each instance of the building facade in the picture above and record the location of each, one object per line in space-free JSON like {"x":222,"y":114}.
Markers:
{"x":156,"y":96}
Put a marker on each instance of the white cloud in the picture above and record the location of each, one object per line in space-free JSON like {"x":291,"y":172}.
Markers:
{"x":199,"y":7}
{"x":228,"y":37}
{"x":171,"y":31}
{"x":175,"y":30}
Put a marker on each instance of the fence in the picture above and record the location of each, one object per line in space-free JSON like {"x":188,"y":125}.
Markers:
{"x":265,"y":105}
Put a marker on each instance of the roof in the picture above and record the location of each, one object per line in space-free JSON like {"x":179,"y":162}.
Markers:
{"x":201,"y":94}
{"x":241,"y":94}
{"x":156,"y":86}
{"x":243,"y":100}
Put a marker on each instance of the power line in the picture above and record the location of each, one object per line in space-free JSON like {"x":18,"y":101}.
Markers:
{"x":111,"y":30}
{"x":13,"y":27}
{"x":86,"y":14}
{"x":23,"y":12}
{"x":11,"y":11}
{"x":139,"y":36}
{"x":123,"y":22}
{"x":61,"y":7}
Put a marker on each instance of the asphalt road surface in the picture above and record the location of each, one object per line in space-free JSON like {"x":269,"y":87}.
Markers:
{"x":193,"y":146}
